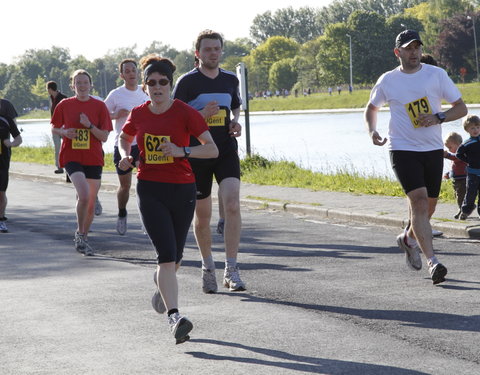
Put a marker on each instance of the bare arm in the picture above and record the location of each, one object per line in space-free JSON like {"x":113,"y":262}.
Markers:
{"x":207,"y":149}
{"x":458,"y":110}
{"x":101,"y":135}
{"x":235,"y":127}
{"x":124,"y":148}
{"x":17,"y":141}
{"x":370,"y":116}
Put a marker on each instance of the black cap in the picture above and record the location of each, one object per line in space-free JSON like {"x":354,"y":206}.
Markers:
{"x":406,"y":37}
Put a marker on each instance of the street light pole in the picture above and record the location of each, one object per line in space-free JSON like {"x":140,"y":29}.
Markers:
{"x":351,"y":76}
{"x":475,"y":42}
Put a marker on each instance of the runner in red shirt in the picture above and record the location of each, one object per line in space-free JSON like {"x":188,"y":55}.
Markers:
{"x":84,"y":123}
{"x":166,"y":187}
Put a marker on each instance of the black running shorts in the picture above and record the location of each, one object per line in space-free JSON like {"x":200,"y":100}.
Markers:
{"x":92,"y":172}
{"x":418,"y":169}
{"x":226,"y":165}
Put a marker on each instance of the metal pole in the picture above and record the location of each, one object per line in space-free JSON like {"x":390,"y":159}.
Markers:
{"x":475,"y":41}
{"x":351,"y":68}
{"x":247,"y":115}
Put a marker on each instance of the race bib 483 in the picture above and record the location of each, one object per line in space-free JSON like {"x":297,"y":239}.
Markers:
{"x":415,"y":108}
{"x":82,"y":140}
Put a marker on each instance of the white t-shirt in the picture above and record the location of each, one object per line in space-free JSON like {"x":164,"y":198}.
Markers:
{"x":123,"y":98}
{"x":408,"y":95}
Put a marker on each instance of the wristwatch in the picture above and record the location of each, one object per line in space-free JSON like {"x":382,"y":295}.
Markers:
{"x":91,"y":126}
{"x":441,"y":116}
{"x":187,"y":152}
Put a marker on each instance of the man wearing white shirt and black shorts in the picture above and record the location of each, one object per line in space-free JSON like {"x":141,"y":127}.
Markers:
{"x":414,"y":92}
{"x":120,"y":102}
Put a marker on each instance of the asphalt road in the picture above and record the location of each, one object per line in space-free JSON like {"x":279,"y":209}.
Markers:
{"x":322,"y":298}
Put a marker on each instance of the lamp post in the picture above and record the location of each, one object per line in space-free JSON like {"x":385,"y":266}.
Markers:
{"x":475,"y":43}
{"x":351,"y":76}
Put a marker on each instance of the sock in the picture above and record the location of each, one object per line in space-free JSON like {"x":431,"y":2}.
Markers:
{"x":411,"y":242}
{"x":122,"y":212}
{"x":172,"y":311}
{"x":432,"y":261}
{"x":230,"y":262}
{"x":208,"y":263}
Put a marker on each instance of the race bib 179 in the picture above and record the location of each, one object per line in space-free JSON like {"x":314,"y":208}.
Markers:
{"x":415,"y":108}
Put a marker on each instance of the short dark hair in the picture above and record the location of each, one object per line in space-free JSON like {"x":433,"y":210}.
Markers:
{"x":428,"y":59}
{"x":52,"y":85}
{"x":153,"y":63}
{"x":208,"y":34}
{"x":126,"y":61}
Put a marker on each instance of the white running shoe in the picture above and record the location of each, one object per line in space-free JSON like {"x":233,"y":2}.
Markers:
{"x":180,"y":327}
{"x":3,"y":227}
{"x":209,"y":281}
{"x":437,"y":233}
{"x":412,"y":254}
{"x":157,"y":300}
{"x":88,"y":249}
{"x":122,"y":225}
{"x":79,"y":241}
{"x":98,"y":207}
{"x":232,"y":280}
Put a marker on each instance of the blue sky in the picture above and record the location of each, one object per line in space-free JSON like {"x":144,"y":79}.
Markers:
{"x":93,"y":27}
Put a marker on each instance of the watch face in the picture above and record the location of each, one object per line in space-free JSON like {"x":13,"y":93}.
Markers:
{"x":441,"y":116}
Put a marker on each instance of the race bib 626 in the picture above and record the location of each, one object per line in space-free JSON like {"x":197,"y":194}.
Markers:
{"x":153,"y":153}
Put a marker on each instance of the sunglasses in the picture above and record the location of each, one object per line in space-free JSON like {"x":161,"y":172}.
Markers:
{"x":161,"y":82}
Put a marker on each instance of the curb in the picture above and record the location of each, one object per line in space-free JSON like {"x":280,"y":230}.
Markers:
{"x":448,"y":228}
{"x":452,"y":229}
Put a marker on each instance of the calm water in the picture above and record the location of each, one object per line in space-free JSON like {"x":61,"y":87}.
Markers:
{"x":321,"y":142}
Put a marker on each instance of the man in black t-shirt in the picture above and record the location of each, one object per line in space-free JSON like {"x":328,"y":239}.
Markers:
{"x":7,"y":127}
{"x":215,"y":93}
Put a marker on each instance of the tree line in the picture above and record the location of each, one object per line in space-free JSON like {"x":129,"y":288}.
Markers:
{"x":287,"y":49}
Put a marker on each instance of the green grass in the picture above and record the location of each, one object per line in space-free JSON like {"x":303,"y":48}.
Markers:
{"x":258,"y":170}
{"x":45,"y":155}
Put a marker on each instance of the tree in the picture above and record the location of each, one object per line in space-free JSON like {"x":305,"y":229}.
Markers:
{"x":455,"y":47}
{"x":161,"y":49}
{"x":17,"y":90}
{"x":306,"y":64}
{"x":299,"y":25}
{"x":333,"y":56}
{"x":371,"y":50}
{"x":282,"y":75}
{"x":262,"y":58}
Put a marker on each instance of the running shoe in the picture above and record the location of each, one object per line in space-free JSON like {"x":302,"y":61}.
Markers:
{"x":436,"y":233}
{"x":180,"y":327}
{"x":122,"y":225}
{"x":209,"y":281}
{"x":98,"y":207}
{"x":79,"y":241}
{"x":3,"y":227}
{"x":88,"y":249}
{"x":437,"y":272}
{"x":464,"y":215}
{"x":232,"y":281}
{"x":220,"y":226}
{"x":58,"y":171}
{"x":457,"y":215}
{"x":412,"y":254}
{"x":157,"y":301}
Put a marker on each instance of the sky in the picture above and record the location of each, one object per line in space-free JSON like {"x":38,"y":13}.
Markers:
{"x":93,"y":27}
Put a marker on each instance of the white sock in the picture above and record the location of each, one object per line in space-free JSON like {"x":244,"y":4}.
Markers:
{"x":411,"y":242}
{"x":208,"y":263}
{"x":230,"y":262}
{"x":432,"y":261}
